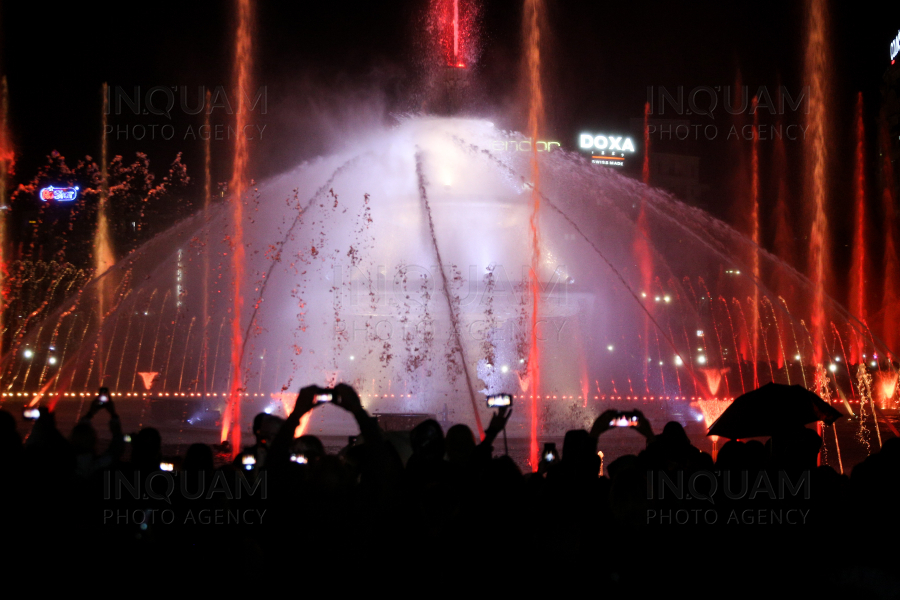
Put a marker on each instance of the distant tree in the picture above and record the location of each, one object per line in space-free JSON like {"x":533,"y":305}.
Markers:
{"x":138,"y":209}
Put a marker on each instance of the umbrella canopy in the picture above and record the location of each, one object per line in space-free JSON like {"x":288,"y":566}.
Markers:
{"x":771,"y":408}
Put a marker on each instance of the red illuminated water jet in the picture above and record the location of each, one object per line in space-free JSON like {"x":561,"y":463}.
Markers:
{"x":858,"y":262}
{"x":231,"y":422}
{"x":454,"y":22}
{"x":784,"y":236}
{"x":754,"y":236}
{"x":641,"y":245}
{"x":817,"y":68}
{"x":7,"y":160}
{"x":891,"y":301}
{"x":535,"y":122}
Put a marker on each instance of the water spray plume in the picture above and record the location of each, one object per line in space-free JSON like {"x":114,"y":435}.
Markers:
{"x":532,"y":21}
{"x":231,"y":423}
{"x":454,"y":318}
{"x":817,"y":68}
{"x":453,"y":22}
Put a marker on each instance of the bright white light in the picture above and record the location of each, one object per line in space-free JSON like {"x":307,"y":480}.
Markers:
{"x":28,"y":354}
{"x":504,"y":369}
{"x":660,"y":363}
{"x":797,"y":357}
{"x":668,"y":298}
{"x":521,"y":361}
{"x":701,"y":359}
{"x":699,"y":417}
{"x":352,"y":357}
{"x":874,"y":364}
{"x":588,"y":141}
{"x":678,"y":361}
{"x":52,"y":360}
{"x":832,"y":368}
{"x":837,"y":359}
{"x":657,"y":298}
{"x":610,"y":348}
{"x":699,"y":333}
{"x":643,"y":294}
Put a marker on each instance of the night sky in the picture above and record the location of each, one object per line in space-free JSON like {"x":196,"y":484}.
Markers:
{"x":333,"y":69}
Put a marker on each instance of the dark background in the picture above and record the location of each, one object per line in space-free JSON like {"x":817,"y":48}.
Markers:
{"x":332,"y":69}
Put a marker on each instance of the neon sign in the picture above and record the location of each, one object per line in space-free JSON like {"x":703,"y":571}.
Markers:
{"x":605,"y":142}
{"x":525,"y":146}
{"x":607,"y":150}
{"x":895,"y":47}
{"x":58,"y":194}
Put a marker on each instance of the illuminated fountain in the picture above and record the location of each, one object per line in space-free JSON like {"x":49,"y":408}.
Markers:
{"x":435,"y":263}
{"x":342,"y":284}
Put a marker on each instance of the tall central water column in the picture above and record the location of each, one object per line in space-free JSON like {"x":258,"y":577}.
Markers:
{"x":816,"y":155}
{"x":532,"y":22}
{"x":231,"y":423}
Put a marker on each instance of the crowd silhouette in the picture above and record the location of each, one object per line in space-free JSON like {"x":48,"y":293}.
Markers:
{"x":442,"y":499}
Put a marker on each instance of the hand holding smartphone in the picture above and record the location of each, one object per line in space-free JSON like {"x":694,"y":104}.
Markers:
{"x":625,"y":419}
{"x":499,"y":400}
{"x":323,"y":397}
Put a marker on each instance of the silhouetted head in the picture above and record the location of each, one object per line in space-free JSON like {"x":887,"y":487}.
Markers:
{"x":10,"y":440}
{"x":460,"y":443}
{"x":83,"y":439}
{"x":257,"y":424}
{"x":308,"y":445}
{"x":756,"y":454}
{"x":674,"y":435}
{"x":269,"y":426}
{"x":7,"y":423}
{"x":796,"y":448}
{"x":621,"y":464}
{"x":427,"y":440}
{"x":732,"y":455}
{"x":579,"y":445}
{"x":146,"y":448}
{"x":199,"y":457}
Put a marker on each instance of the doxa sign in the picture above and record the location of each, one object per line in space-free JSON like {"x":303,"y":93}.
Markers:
{"x":588,"y":141}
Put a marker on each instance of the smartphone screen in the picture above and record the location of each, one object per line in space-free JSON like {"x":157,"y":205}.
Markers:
{"x":31,"y":414}
{"x":498,"y":400}
{"x":320,"y":398}
{"x":300,"y":459}
{"x":624,"y":420}
{"x":166,"y":466}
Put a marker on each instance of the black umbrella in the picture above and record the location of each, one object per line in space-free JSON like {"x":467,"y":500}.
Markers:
{"x":771,"y":408}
